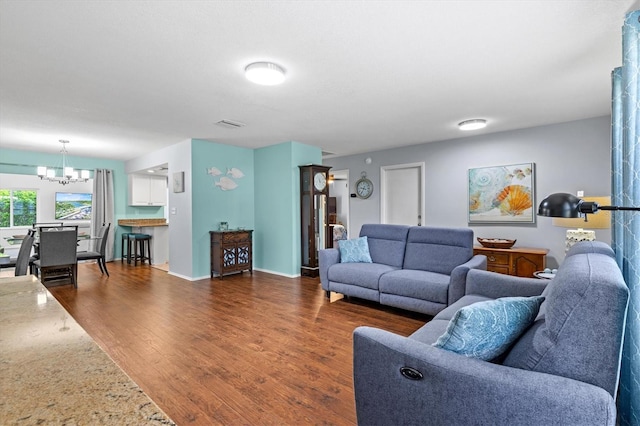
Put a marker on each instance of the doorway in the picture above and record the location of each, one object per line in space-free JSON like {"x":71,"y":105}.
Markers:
{"x":402,"y":194}
{"x":339,"y":192}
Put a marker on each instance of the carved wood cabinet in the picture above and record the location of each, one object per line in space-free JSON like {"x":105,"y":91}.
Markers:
{"x":518,"y":261}
{"x":231,"y":251}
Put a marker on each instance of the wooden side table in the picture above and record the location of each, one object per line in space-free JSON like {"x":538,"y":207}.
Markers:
{"x":517,"y":261}
{"x":231,"y":251}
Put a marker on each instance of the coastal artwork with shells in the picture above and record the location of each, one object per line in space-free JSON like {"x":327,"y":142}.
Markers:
{"x":226,"y":181}
{"x":502,"y":194}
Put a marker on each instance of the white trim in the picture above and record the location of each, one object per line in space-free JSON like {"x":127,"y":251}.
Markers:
{"x":276,"y":273}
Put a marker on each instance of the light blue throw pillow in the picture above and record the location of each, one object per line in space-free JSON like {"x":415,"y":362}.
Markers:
{"x":487,"y":329}
{"x":354,"y":251}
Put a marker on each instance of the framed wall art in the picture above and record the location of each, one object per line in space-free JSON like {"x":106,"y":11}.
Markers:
{"x":178,"y":182}
{"x":502,"y":194}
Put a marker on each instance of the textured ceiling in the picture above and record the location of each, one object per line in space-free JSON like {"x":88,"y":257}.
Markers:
{"x":120,"y":79}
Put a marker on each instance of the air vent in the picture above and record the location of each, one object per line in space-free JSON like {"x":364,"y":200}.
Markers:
{"x":230,"y":124}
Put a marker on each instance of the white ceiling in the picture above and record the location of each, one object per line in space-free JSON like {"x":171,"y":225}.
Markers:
{"x":120,"y":79}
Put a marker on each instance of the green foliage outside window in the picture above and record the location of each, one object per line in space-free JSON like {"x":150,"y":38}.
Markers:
{"x":17,"y":207}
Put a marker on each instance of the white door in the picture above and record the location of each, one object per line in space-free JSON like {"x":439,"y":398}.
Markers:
{"x":401,"y":192}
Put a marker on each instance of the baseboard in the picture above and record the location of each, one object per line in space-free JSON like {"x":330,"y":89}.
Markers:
{"x":276,"y":273}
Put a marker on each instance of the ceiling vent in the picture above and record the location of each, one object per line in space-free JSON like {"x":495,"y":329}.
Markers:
{"x":230,"y":124}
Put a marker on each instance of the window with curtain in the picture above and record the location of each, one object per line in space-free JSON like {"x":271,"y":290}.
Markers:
{"x":18,"y":207}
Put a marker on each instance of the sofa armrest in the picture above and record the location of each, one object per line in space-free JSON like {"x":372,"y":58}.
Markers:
{"x":494,"y":285}
{"x":326,"y":258}
{"x":458,"y":281}
{"x":456,"y":390}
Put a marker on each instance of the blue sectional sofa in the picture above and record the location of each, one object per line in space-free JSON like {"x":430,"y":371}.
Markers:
{"x":418,"y":268}
{"x":562,"y":370}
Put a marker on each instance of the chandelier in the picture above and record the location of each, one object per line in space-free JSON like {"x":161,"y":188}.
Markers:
{"x":69,"y":175}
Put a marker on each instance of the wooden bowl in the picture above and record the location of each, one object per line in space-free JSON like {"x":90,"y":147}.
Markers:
{"x":496,"y":242}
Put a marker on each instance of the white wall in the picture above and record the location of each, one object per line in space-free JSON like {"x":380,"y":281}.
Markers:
{"x":568,"y":157}
{"x":178,"y":157}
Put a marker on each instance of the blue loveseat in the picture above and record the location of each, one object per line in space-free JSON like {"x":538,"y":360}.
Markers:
{"x":418,"y":268}
{"x":563,"y":370}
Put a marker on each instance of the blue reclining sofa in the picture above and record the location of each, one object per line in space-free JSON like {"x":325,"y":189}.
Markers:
{"x":562,"y":370}
{"x":418,"y":268}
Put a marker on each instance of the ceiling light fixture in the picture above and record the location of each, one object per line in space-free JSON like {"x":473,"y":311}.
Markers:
{"x":475,"y":124}
{"x":265,"y":73}
{"x":69,"y":175}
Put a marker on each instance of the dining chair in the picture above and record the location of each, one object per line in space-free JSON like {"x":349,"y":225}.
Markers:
{"x":99,"y":250}
{"x":57,"y":254}
{"x":24,"y":255}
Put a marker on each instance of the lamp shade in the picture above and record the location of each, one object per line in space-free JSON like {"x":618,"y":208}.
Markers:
{"x":602,"y":220}
{"x":560,"y":205}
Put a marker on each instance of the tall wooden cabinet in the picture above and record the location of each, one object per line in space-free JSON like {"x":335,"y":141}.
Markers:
{"x":314,"y":216}
{"x":518,"y":261}
{"x":231,"y":251}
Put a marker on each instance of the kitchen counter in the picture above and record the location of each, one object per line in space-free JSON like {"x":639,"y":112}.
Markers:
{"x":159,"y":231}
{"x":142,"y":222}
{"x":53,"y":372}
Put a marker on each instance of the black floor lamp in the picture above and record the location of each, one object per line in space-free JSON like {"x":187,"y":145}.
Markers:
{"x":567,"y":205}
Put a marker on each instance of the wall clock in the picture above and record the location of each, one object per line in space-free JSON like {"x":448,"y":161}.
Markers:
{"x":364,"y":187}
{"x":319,"y":180}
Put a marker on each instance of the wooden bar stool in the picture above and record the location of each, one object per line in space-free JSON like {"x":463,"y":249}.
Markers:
{"x":140,"y":242}
{"x":126,"y":237}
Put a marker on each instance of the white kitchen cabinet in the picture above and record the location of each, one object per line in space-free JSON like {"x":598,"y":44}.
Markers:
{"x":147,"y":190}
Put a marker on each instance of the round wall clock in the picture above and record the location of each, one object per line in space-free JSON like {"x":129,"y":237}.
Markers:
{"x":319,"y":181}
{"x":364,"y":187}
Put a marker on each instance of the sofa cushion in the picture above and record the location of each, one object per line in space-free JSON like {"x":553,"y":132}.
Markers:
{"x":360,"y":274}
{"x":448,"y":312}
{"x":586,"y":295}
{"x":416,"y":284}
{"x":486,"y":329}
{"x":354,"y":250}
{"x":430,"y":332}
{"x":386,"y":243}
{"x":582,"y":247}
{"x":438,"y":249}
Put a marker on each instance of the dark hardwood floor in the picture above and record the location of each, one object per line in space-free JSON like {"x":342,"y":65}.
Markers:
{"x":248,"y":350}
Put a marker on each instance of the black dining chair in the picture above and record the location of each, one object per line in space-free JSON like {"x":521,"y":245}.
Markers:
{"x":99,"y":250}
{"x":57,"y":254}
{"x":24,"y":255}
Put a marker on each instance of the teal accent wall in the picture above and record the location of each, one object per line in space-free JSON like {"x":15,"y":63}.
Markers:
{"x":212,"y":205}
{"x":277,"y":200}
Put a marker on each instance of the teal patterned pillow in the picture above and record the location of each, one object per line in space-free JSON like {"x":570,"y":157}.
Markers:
{"x":485,"y":330}
{"x":354,"y":251}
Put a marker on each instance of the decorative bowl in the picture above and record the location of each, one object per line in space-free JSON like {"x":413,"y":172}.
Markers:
{"x":496,"y":242}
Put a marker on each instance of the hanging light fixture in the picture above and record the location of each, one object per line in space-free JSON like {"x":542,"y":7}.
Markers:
{"x":265,"y":73}
{"x":69,"y":175}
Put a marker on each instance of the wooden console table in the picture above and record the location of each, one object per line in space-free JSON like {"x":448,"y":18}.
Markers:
{"x":518,"y":261}
{"x":231,"y":251}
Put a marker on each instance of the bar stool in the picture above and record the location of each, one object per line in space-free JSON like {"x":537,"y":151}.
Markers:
{"x":126,"y":237}
{"x":141,"y":241}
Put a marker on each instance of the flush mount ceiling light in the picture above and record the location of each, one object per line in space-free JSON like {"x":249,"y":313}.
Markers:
{"x":475,"y":124}
{"x":265,"y":73}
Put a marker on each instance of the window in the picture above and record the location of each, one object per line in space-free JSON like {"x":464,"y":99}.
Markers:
{"x":17,"y":207}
